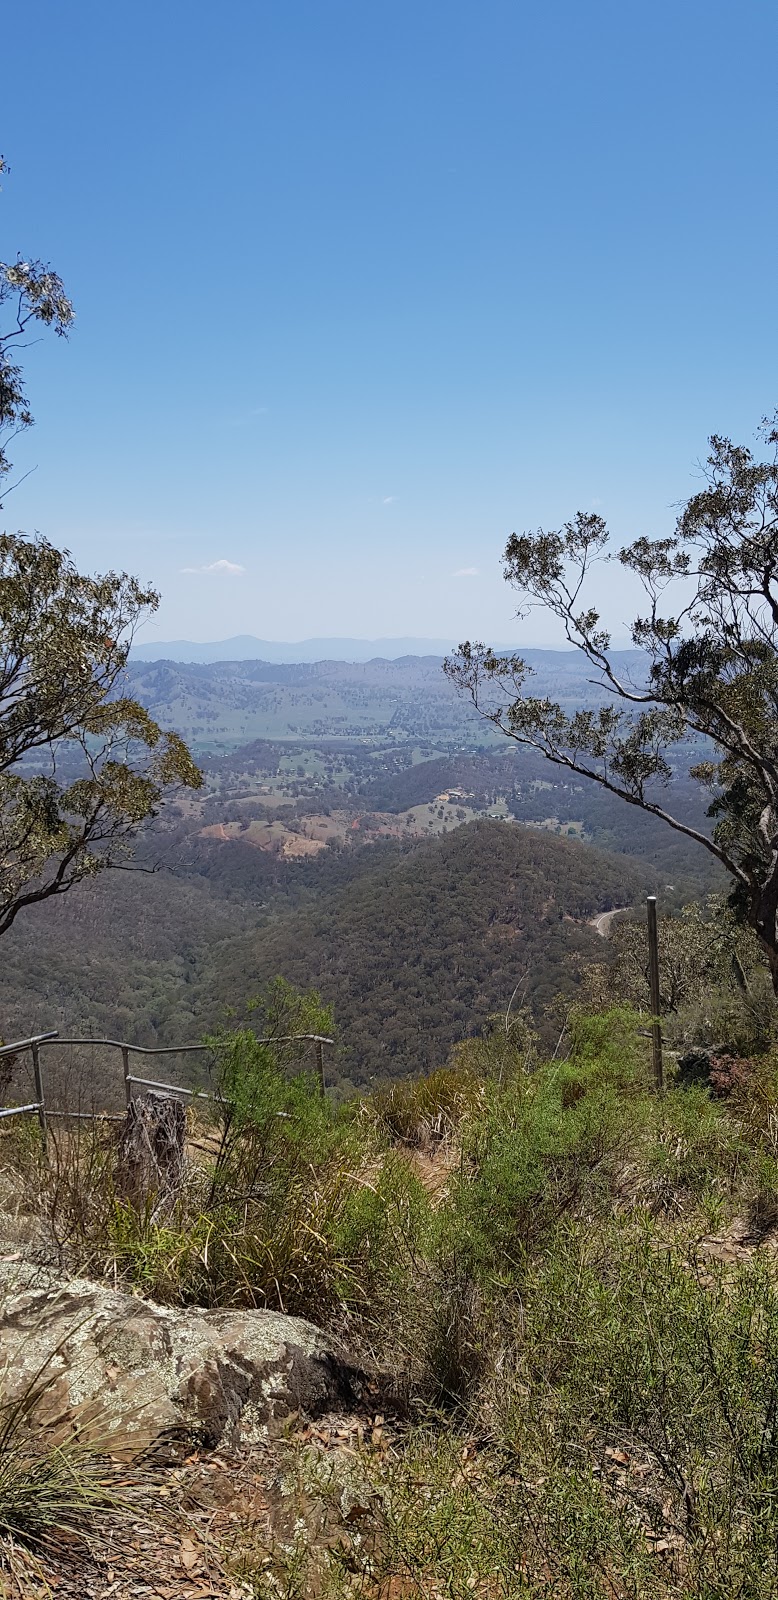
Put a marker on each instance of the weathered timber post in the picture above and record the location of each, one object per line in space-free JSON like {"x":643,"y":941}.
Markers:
{"x":653,"y":978}
{"x":320,"y":1066}
{"x":152,"y":1150}
{"x":38,"y":1076}
{"x":126,"y":1070}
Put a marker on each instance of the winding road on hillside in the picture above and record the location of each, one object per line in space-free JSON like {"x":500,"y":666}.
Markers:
{"x":602,"y":923}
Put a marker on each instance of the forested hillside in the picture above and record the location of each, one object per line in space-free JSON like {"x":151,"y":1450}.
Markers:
{"x":419,"y":952}
{"x":414,"y":945}
{"x":412,"y":876}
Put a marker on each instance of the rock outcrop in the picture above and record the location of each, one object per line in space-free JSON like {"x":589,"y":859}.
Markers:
{"x":139,"y":1377}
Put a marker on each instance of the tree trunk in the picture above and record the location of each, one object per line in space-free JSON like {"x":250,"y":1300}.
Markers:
{"x":772,"y":957}
{"x":763,"y":917}
{"x":151,"y":1150}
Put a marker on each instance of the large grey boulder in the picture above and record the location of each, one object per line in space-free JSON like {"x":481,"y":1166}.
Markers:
{"x":139,"y":1377}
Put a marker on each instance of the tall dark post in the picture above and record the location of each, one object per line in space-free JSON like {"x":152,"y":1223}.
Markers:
{"x":38,"y":1076}
{"x":653,"y":977}
{"x":320,"y":1066}
{"x":126,"y":1071}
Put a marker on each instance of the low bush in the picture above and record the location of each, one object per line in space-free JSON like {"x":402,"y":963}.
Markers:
{"x":745,"y":1020}
{"x":623,"y":1442}
{"x":545,"y":1146}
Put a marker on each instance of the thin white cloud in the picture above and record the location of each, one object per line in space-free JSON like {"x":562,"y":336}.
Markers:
{"x":218,"y":569}
{"x":388,"y":500}
{"x":465,"y":572}
{"x":247,"y":416}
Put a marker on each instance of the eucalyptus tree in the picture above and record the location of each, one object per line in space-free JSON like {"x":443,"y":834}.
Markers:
{"x":708,"y":633}
{"x":32,"y":296}
{"x":82,"y":765}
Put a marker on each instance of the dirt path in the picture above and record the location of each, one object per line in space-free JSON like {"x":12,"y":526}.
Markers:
{"x":602,"y":923}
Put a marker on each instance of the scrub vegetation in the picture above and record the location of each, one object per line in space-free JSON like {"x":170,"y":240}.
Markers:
{"x":561,"y":1286}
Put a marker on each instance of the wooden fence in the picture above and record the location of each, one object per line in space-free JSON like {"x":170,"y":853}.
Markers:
{"x":132,"y":1083}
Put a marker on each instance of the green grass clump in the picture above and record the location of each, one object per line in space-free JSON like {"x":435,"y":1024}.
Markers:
{"x":310,"y":1247}
{"x":49,"y":1487}
{"x":296,"y":1206}
{"x":418,"y":1110}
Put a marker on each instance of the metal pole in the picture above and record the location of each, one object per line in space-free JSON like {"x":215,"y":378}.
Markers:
{"x":653,"y":976}
{"x":36,"y":1068}
{"x":126,"y":1067}
{"x":320,"y":1066}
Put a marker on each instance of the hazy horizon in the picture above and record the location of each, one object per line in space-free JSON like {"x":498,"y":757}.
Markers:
{"x":248,"y":647}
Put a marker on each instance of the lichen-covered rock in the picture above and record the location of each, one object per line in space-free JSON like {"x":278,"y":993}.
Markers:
{"x":141,"y":1377}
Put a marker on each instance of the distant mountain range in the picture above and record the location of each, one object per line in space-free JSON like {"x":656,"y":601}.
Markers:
{"x":217,"y":705}
{"x":246,"y":648}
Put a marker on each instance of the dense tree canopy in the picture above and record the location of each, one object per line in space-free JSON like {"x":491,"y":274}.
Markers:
{"x":709,"y":635}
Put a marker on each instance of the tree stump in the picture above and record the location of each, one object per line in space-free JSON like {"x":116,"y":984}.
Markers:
{"x":151,"y":1150}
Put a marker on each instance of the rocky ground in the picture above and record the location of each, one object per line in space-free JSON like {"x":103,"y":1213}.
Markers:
{"x":145,"y":1379}
{"x":196,"y":1415}
{"x":207,"y":1529}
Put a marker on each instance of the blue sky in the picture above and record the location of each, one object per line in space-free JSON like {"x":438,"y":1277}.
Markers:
{"x":363,"y":286}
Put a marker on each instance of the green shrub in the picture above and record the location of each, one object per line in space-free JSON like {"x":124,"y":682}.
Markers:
{"x":544,"y":1147}
{"x":694,"y":1147}
{"x":609,"y":1046}
{"x":628,"y":1443}
{"x":634,"y":1348}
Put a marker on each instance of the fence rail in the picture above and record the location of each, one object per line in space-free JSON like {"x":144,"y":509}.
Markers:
{"x":131,"y":1082}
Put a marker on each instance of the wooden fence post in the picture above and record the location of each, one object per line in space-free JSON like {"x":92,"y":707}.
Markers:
{"x":38,"y":1076}
{"x":126,"y":1070}
{"x":653,"y":976}
{"x":320,"y":1066}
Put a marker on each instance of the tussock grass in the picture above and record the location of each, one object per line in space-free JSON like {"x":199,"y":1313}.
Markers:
{"x":48,"y":1486}
{"x":293,"y":1208}
{"x":418,"y":1111}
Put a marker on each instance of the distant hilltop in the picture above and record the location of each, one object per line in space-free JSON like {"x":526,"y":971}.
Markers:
{"x":244,"y":647}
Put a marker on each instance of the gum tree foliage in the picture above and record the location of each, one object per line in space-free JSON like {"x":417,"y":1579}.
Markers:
{"x":709,"y":634}
{"x":32,"y":296}
{"x":81,"y":766}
